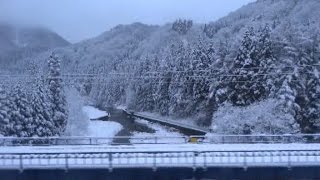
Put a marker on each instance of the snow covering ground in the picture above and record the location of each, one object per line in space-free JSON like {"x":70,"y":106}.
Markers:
{"x":104,"y":129}
{"x":162,"y":134}
{"x":94,"y":113}
{"x":101,"y":128}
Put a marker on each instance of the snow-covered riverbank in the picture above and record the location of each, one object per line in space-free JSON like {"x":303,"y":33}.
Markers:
{"x":163,"y":134}
{"x":94,"y":113}
{"x":101,"y":128}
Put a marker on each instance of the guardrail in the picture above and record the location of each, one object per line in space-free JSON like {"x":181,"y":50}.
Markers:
{"x":249,"y":139}
{"x":170,"y":122}
{"x":190,"y":159}
{"x":49,"y":141}
{"x":209,"y":139}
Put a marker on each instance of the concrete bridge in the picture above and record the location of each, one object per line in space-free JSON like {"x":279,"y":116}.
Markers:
{"x":233,"y":155}
{"x":67,"y":158}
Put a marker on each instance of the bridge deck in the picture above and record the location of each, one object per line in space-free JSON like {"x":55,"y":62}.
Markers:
{"x":171,"y":123}
{"x":154,"y":156}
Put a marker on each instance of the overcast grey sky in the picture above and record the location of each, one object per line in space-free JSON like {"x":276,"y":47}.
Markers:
{"x":76,"y":20}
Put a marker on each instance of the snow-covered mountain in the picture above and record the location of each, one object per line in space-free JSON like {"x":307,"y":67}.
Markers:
{"x":135,"y":40}
{"x":19,"y":42}
{"x":278,"y":13}
{"x":186,"y":69}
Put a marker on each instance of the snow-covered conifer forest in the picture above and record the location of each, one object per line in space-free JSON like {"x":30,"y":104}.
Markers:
{"x":255,"y":71}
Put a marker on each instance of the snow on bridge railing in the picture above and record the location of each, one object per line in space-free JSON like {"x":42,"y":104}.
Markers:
{"x":49,"y":141}
{"x":209,"y":139}
{"x":153,"y":159}
{"x":263,"y":138}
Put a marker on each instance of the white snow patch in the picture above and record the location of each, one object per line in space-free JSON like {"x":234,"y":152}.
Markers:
{"x":101,"y":128}
{"x":104,"y":128}
{"x":122,"y":107}
{"x":162,"y":134}
{"x":94,"y":113}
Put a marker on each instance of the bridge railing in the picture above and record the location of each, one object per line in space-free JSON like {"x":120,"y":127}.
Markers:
{"x":48,"y":141}
{"x":154,"y":160}
{"x":209,"y":139}
{"x":248,"y":139}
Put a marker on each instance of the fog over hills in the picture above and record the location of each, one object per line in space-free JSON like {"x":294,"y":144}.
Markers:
{"x":18,"y":42}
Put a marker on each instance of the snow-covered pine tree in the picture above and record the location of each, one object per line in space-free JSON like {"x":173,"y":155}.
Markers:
{"x":56,"y":95}
{"x":299,"y":55}
{"x":265,"y":74}
{"x":287,"y":97}
{"x":311,"y":72}
{"x":179,"y":83}
{"x":219,"y":89}
{"x":97,"y":92}
{"x":21,"y":122}
{"x":4,"y":112}
{"x":114,"y":90}
{"x":145,"y":86}
{"x":41,"y":114}
{"x":202,"y":59}
{"x":242,"y":83}
{"x":312,"y":110}
{"x":162,"y":96}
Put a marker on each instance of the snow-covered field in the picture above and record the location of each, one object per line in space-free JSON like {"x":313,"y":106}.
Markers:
{"x":162,"y":134}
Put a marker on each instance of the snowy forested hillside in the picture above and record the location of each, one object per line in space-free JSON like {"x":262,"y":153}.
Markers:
{"x":266,"y":54}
